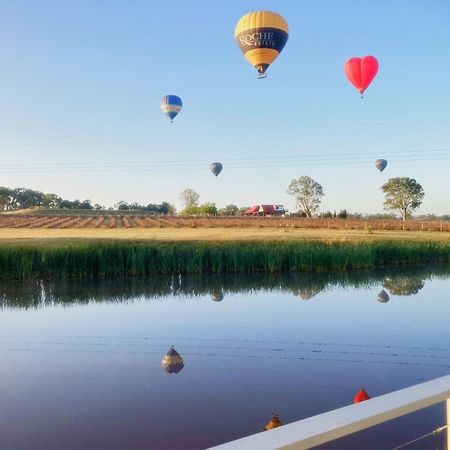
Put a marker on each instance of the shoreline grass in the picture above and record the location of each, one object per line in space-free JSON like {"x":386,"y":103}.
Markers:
{"x":97,"y":259}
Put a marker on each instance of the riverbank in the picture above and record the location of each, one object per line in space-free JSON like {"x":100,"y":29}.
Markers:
{"x":95,"y":259}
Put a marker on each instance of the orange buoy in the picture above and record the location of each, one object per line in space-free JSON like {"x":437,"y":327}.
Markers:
{"x":274,"y":422}
{"x":361,"y":396}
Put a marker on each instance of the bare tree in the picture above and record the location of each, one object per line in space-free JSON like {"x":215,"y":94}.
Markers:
{"x":308,"y":194}
{"x":403,"y":194}
{"x":189,"y":198}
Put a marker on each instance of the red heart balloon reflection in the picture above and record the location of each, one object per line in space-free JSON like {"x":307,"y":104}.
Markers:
{"x":361,"y":71}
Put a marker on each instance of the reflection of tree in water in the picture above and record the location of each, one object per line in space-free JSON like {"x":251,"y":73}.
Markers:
{"x":306,"y":286}
{"x":38,"y":293}
{"x":403,"y":285}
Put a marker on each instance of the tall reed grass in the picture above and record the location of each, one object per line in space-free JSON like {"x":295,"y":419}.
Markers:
{"x":120,"y":258}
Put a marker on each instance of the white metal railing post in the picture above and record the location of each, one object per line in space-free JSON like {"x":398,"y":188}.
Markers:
{"x":448,"y":423}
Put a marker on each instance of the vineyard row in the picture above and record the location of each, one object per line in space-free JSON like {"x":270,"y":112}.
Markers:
{"x":137,"y":221}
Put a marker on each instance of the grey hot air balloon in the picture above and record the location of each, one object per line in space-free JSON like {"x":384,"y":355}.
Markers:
{"x":215,"y":168}
{"x":383,"y":296}
{"x":381,"y":164}
{"x":172,"y":361}
{"x":216,"y":295}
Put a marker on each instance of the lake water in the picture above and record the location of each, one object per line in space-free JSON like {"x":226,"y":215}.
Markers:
{"x":81,"y":360}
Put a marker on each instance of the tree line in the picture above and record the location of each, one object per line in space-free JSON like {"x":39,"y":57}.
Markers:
{"x":23,"y":198}
{"x":402,"y":195}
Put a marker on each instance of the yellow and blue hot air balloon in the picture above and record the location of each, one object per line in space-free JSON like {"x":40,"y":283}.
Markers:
{"x":172,"y":361}
{"x":171,"y":105}
{"x":261,"y":35}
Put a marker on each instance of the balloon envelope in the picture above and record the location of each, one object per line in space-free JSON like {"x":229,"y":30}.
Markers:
{"x":261,"y":36}
{"x":215,"y":168}
{"x":383,"y":296}
{"x":381,"y":164}
{"x":216,"y":295}
{"x":361,"y":71}
{"x":361,"y":396}
{"x":274,"y":422}
{"x":171,"y":105}
{"x":172,"y":361}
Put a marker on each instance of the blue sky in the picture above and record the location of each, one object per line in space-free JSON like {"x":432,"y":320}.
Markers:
{"x":81,"y":82}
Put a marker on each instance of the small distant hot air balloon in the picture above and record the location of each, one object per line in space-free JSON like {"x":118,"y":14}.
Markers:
{"x":381,"y":164}
{"x":171,"y":105}
{"x":172,"y":361}
{"x":383,"y":296}
{"x":361,"y":396}
{"x":274,"y":422}
{"x":261,"y":35}
{"x":215,"y":168}
{"x":216,"y":295}
{"x":361,"y":71}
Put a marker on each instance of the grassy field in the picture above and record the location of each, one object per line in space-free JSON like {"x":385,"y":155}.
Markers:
{"x":94,"y":259}
{"x":131,"y":220}
{"x":93,"y":247}
{"x":15,"y":235}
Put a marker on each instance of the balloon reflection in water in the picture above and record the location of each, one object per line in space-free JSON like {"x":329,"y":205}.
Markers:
{"x":216,"y":295}
{"x":274,"y":422}
{"x":361,"y":396}
{"x":172,"y":361}
{"x":383,"y":296}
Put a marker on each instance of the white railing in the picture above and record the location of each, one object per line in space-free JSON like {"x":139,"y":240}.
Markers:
{"x":335,"y":424}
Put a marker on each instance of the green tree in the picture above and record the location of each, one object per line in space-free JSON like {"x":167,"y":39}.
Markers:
{"x":167,"y":208}
{"x":27,"y":198}
{"x":308,"y":194}
{"x":85,"y":204}
{"x":122,"y":206}
{"x":51,"y":201}
{"x":190,"y":211}
{"x":209,"y":209}
{"x":6,"y":198}
{"x":189,"y":198}
{"x":403,"y":195}
{"x":229,"y":210}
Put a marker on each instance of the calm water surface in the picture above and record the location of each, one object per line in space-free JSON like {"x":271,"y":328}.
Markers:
{"x":81,"y":360}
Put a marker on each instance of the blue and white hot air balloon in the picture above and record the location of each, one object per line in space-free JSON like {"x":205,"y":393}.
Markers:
{"x":171,"y":105}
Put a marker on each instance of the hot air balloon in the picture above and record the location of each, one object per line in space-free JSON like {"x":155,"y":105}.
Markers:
{"x":381,"y":164}
{"x":361,"y":396}
{"x":261,"y":35}
{"x":216,"y":295}
{"x":171,"y":105}
{"x":383,"y":296}
{"x":215,"y":168}
{"x":172,"y":361}
{"x":274,"y":422}
{"x":361,"y":71}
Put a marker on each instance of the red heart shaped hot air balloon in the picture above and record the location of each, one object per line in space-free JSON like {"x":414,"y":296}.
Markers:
{"x":361,"y":71}
{"x":361,"y":396}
